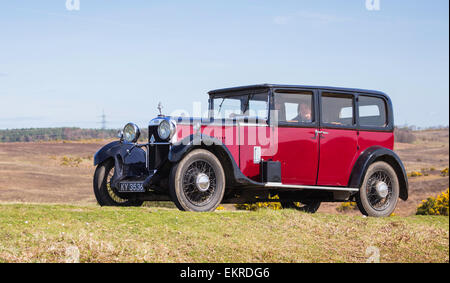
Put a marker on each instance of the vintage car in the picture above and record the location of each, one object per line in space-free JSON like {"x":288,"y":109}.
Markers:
{"x":304,"y":144}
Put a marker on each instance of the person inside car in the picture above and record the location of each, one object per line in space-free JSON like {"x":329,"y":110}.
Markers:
{"x":304,"y":113}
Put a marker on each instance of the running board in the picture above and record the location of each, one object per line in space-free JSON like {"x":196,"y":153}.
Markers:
{"x":280,"y":185}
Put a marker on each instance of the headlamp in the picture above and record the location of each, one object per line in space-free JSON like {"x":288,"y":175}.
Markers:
{"x":131,"y":132}
{"x":166,"y":130}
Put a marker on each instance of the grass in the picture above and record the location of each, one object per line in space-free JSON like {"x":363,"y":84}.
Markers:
{"x":60,"y":233}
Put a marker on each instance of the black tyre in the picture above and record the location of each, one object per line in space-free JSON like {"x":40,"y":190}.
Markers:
{"x":104,"y":193}
{"x":197,"y":182}
{"x":309,"y":206}
{"x":378,"y":195}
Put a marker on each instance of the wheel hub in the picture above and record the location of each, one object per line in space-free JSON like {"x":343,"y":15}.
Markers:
{"x":382,"y":189}
{"x":202,"y":182}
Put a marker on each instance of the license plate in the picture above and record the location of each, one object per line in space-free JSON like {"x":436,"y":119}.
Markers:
{"x":131,"y":187}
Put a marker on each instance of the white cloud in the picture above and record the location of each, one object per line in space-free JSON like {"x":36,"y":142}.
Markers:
{"x":282,"y":20}
{"x":320,"y":17}
{"x":310,"y":16}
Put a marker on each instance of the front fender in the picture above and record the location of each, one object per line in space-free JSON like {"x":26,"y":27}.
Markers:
{"x":129,"y":161}
{"x":115,"y":149}
{"x":106,"y":152}
{"x":378,"y":153}
{"x":181,"y":148}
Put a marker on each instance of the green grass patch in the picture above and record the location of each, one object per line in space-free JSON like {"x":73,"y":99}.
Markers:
{"x":60,"y":233}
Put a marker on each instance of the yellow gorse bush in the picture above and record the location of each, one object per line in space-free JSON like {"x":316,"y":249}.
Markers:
{"x":434,"y":206}
{"x":71,"y":161}
{"x":444,"y":172}
{"x":347,"y":206}
{"x":415,"y":174}
{"x":258,"y":205}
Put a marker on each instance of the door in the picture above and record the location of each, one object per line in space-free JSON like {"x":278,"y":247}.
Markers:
{"x":338,"y":138}
{"x":296,"y":121}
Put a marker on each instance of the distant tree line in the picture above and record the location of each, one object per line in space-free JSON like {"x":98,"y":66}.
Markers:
{"x":404,"y":135}
{"x":52,"y":134}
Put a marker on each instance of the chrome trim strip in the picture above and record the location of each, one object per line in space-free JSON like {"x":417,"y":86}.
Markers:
{"x":280,"y":185}
{"x":159,"y":143}
{"x":253,"y":125}
{"x":152,"y":143}
{"x":190,"y":123}
{"x":147,"y":157}
{"x":230,"y":123}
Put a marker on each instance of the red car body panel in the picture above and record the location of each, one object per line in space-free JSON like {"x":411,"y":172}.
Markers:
{"x":306,"y":159}
{"x":249,"y":137}
{"x":228,"y":135}
{"x":338,"y":152}
{"x":367,"y":139}
{"x":298,"y":152}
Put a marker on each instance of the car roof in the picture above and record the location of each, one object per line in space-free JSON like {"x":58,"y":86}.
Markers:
{"x":266,"y":86}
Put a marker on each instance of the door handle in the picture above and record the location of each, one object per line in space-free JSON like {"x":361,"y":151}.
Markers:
{"x":317,"y":132}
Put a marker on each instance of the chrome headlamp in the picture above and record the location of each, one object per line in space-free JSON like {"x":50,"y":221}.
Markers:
{"x":131,"y":132}
{"x":166,"y":129}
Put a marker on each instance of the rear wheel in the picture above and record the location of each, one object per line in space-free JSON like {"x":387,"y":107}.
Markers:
{"x":104,"y":193}
{"x":378,"y":195}
{"x":197,"y":183}
{"x":310,"y":206}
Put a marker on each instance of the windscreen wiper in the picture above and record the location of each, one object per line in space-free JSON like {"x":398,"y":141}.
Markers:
{"x":248,"y":102}
{"x":220,"y":106}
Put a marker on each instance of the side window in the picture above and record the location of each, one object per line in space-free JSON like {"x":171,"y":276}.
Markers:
{"x":372,"y":111}
{"x":258,"y":106}
{"x":294,"y":108}
{"x":337,"y":109}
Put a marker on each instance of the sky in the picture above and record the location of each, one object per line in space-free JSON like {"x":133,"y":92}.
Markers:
{"x":63,"y":65}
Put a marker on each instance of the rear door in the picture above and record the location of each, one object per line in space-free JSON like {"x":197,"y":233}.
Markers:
{"x":338,"y":138}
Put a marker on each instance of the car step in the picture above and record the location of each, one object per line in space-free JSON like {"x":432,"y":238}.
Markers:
{"x":303,"y":187}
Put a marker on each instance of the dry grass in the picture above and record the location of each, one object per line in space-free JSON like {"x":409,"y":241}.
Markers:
{"x":60,"y":233}
{"x":47,"y":172}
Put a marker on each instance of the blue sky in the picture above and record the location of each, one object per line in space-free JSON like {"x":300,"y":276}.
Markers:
{"x":62,"y":68}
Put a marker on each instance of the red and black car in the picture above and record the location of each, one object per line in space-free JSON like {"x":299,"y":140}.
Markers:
{"x":305,"y":144}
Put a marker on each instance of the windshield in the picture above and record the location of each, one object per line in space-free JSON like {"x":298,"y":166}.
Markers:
{"x":248,"y":105}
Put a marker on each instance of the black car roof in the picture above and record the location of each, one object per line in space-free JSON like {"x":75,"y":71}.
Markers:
{"x":262,"y":86}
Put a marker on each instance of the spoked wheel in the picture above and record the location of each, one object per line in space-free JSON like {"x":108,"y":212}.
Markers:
{"x":104,"y":193}
{"x":310,"y":206}
{"x":378,"y":196}
{"x":197,"y":183}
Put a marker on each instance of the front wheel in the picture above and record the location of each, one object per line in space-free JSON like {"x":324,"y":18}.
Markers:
{"x":310,"y":206}
{"x":104,"y":193}
{"x":197,"y":183}
{"x":378,"y":195}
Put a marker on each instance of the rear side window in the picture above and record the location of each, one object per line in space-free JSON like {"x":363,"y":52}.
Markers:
{"x":372,"y":111}
{"x":337,"y":109}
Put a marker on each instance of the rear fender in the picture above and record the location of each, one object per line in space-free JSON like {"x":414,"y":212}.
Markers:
{"x":378,"y":153}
